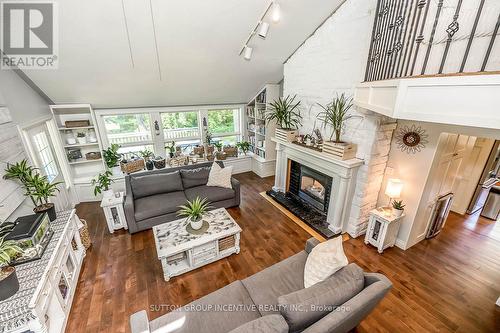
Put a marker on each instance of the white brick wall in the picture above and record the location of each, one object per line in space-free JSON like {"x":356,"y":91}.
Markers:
{"x":333,"y":61}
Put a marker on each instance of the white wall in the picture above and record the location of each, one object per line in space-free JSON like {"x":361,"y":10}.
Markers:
{"x":414,"y":170}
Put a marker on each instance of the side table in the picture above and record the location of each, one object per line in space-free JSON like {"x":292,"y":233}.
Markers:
{"x":113,"y":210}
{"x":382,"y":229}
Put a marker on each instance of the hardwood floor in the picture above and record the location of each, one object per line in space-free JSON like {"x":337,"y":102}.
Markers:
{"x":448,"y":284}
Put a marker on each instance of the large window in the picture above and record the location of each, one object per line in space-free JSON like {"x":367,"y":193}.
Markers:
{"x":224,"y":125}
{"x":46,"y":160}
{"x":131,"y":131}
{"x":180,"y":125}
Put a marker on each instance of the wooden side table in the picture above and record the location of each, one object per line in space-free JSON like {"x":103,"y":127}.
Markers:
{"x":113,"y":210}
{"x":382,"y":229}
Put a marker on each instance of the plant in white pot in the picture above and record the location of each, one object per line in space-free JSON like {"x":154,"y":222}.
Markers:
{"x":334,"y":115}
{"x":112,"y":158}
{"x":286,"y":113}
{"x":102,"y":184}
{"x":194,"y":211}
{"x":81,"y":138}
{"x":398,"y":207}
{"x":41,"y":190}
{"x":9,"y":284}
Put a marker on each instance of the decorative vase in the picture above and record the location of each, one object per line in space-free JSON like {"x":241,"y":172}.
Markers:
{"x":149,"y":165}
{"x":196,"y":224}
{"x":92,"y":136}
{"x":397,"y":212}
{"x":70,"y":138}
{"x":9,"y":285}
{"x":49,"y":208}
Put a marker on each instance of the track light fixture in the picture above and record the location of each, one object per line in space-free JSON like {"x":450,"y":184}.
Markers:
{"x":247,"y":54}
{"x":276,"y":12}
{"x":264,"y":27}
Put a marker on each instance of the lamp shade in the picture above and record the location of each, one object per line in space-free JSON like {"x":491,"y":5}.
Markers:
{"x":394,"y":188}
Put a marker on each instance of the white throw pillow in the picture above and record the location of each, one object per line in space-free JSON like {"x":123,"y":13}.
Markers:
{"x":220,"y":177}
{"x":325,"y":259}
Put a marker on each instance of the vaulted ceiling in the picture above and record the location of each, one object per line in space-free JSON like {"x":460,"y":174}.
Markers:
{"x":193,"y":61}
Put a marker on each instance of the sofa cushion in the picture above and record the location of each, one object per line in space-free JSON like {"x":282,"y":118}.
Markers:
{"x":159,"y":204}
{"x":220,"y":177}
{"x":267,"y":324}
{"x":195,"y":177}
{"x":156,"y":183}
{"x":325,"y":259}
{"x":212,"y":193}
{"x":203,"y":315}
{"x":280,"y":279}
{"x":304,"y":307}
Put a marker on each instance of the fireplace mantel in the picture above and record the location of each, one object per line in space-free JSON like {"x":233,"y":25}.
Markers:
{"x":343,"y":174}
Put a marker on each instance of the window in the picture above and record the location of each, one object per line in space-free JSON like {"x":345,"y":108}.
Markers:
{"x":47,"y":163}
{"x":224,"y":125}
{"x":128,"y":129}
{"x":180,"y":125}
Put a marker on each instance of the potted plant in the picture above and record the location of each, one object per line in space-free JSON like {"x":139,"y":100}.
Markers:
{"x":171,"y":149}
{"x":398,"y":207}
{"x":147,"y":155}
{"x":286,"y":113}
{"x":244,"y":146}
{"x":9,"y":284}
{"x":81,"y":138}
{"x":112,"y":158}
{"x":218,"y":145}
{"x":194,"y":211}
{"x":335,"y":114}
{"x":41,"y":189}
{"x":102,"y":184}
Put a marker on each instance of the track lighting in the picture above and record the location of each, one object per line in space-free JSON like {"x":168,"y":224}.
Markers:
{"x":276,"y":12}
{"x":247,"y":54}
{"x":264,"y":27}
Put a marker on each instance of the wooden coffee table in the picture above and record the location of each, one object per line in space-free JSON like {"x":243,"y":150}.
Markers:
{"x":180,"y":251}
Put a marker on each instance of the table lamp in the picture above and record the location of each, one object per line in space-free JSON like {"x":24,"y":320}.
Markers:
{"x":393,"y":189}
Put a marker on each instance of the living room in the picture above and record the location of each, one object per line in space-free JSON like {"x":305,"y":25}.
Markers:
{"x":260,"y":166}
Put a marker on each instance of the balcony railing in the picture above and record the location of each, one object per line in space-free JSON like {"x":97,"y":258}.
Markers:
{"x":422,"y":37}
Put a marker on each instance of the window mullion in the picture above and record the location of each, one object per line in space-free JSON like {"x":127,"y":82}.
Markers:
{"x":203,"y":117}
{"x":157,"y":135}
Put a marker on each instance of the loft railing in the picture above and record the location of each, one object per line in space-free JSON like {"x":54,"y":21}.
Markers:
{"x":426,"y":37}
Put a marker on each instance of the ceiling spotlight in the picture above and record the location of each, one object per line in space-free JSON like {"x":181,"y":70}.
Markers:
{"x":264,"y":27}
{"x":276,"y":12}
{"x":247,"y":54}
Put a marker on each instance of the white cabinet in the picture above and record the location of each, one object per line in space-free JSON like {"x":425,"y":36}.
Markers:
{"x":382,"y":229}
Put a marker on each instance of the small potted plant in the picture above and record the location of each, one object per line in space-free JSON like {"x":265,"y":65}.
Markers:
{"x":194,"y":211}
{"x":102,"y":184}
{"x":286,"y":113}
{"x":171,"y":149}
{"x":398,"y":207}
{"x":112,"y":158}
{"x":147,"y":155}
{"x":41,"y":190}
{"x":9,"y":284}
{"x":335,"y":114}
{"x":81,"y":138}
{"x":244,"y":146}
{"x":218,"y":145}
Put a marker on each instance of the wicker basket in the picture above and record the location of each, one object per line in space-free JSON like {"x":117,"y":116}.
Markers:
{"x":84,"y":236}
{"x":132,"y":165}
{"x":159,"y":164}
{"x":210,"y":157}
{"x":230,"y":151}
{"x":93,"y":155}
{"x":200,"y":151}
{"x":221,"y":155}
{"x":77,"y":123}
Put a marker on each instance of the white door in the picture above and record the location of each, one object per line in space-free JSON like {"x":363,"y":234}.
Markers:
{"x":43,"y":157}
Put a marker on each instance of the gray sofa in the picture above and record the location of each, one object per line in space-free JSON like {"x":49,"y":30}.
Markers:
{"x":154,"y":197}
{"x":275,"y":300}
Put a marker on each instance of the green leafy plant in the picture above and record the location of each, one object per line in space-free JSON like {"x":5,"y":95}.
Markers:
{"x":22,"y":172}
{"x":286,"y":113}
{"x":111,"y":155}
{"x":146,"y":154}
{"x":335,"y":115}
{"x":218,"y":145}
{"x":244,"y":146}
{"x":6,"y":228}
{"x":102,"y":182}
{"x":194,"y":209}
{"x":171,"y":147}
{"x":208,"y":138}
{"x":8,"y":251}
{"x":41,"y":190}
{"x":398,"y":205}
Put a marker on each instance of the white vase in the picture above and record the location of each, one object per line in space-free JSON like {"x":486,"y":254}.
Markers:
{"x":82,"y":140}
{"x":116,"y":171}
{"x":107,"y":193}
{"x":196,"y":225}
{"x":397,"y":212}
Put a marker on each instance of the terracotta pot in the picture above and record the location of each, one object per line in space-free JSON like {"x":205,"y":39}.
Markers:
{"x":49,"y":208}
{"x":10,"y":284}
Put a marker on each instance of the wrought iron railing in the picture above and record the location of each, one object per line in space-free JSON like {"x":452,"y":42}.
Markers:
{"x":420,"y":37}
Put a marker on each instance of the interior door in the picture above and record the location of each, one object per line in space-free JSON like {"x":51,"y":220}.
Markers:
{"x":451,"y":161}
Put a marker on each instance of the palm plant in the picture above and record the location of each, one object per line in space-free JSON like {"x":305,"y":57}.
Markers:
{"x":244,"y":146}
{"x":23,"y":172}
{"x":335,"y":115}
{"x":218,"y":145}
{"x":285,"y":112}
{"x":42,"y":190}
{"x":111,"y":155}
{"x":398,"y":205}
{"x":194,"y":209}
{"x":102,"y":182}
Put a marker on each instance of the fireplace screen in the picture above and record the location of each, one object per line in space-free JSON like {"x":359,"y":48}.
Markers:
{"x":313,"y":188}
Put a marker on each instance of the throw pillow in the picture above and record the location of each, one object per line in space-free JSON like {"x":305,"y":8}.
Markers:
{"x":325,"y":259}
{"x":266,"y":324}
{"x":220,"y":177}
{"x":195,"y":177}
{"x":155,"y":183}
{"x":304,"y":307}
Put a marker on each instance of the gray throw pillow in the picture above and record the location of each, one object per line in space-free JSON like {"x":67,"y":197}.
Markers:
{"x":156,"y":183}
{"x":267,"y":324}
{"x":195,"y":177}
{"x":304,"y":307}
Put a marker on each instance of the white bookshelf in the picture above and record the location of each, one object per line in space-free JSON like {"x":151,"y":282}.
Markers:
{"x":259,"y":131}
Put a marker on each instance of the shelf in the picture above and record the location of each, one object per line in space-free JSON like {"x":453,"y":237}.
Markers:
{"x":81,"y":161}
{"x":75,"y":128}
{"x":82,"y":145}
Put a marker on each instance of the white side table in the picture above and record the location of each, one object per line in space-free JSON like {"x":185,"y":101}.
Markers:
{"x":382,"y":229}
{"x":113,"y":210}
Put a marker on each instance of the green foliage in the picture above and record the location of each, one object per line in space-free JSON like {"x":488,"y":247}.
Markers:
{"x":111,"y":155}
{"x":244,"y":146}
{"x":398,"y":205}
{"x":146,"y":154}
{"x":174,"y":120}
{"x":285,"y":112}
{"x":6,"y":228}
{"x":221,"y":121}
{"x":80,"y":135}
{"x":171,"y":147}
{"x":218,"y":145}
{"x":102,"y":182}
{"x":127,"y":123}
{"x":41,"y":189}
{"x":23,"y":172}
{"x":335,"y":114}
{"x":8,"y":250}
{"x":194,"y":209}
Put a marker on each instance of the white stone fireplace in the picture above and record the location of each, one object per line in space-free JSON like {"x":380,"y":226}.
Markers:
{"x":343,"y":173}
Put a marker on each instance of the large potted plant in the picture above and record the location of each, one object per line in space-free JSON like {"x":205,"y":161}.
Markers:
{"x":194,"y":211}
{"x":9,"y":284}
{"x":112,"y":158}
{"x":41,"y":190}
{"x":244,"y":146}
{"x":286,"y":113}
{"x":334,"y":115}
{"x":102,"y":184}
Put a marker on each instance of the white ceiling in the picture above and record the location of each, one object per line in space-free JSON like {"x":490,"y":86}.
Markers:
{"x":198,"y":46}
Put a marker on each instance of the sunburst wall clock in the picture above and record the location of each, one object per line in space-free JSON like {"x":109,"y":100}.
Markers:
{"x":411,"y":139}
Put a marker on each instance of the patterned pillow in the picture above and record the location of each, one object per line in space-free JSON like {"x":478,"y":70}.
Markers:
{"x":220,"y":177}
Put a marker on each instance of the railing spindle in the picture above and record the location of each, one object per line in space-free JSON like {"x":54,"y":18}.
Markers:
{"x":490,"y":45}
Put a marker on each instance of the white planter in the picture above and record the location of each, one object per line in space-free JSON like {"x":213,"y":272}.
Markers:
{"x":196,"y":225}
{"x":340,"y":150}
{"x":82,"y":140}
{"x":286,"y":134}
{"x":397,"y":212}
{"x":116,"y":171}
{"x":107,"y":194}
